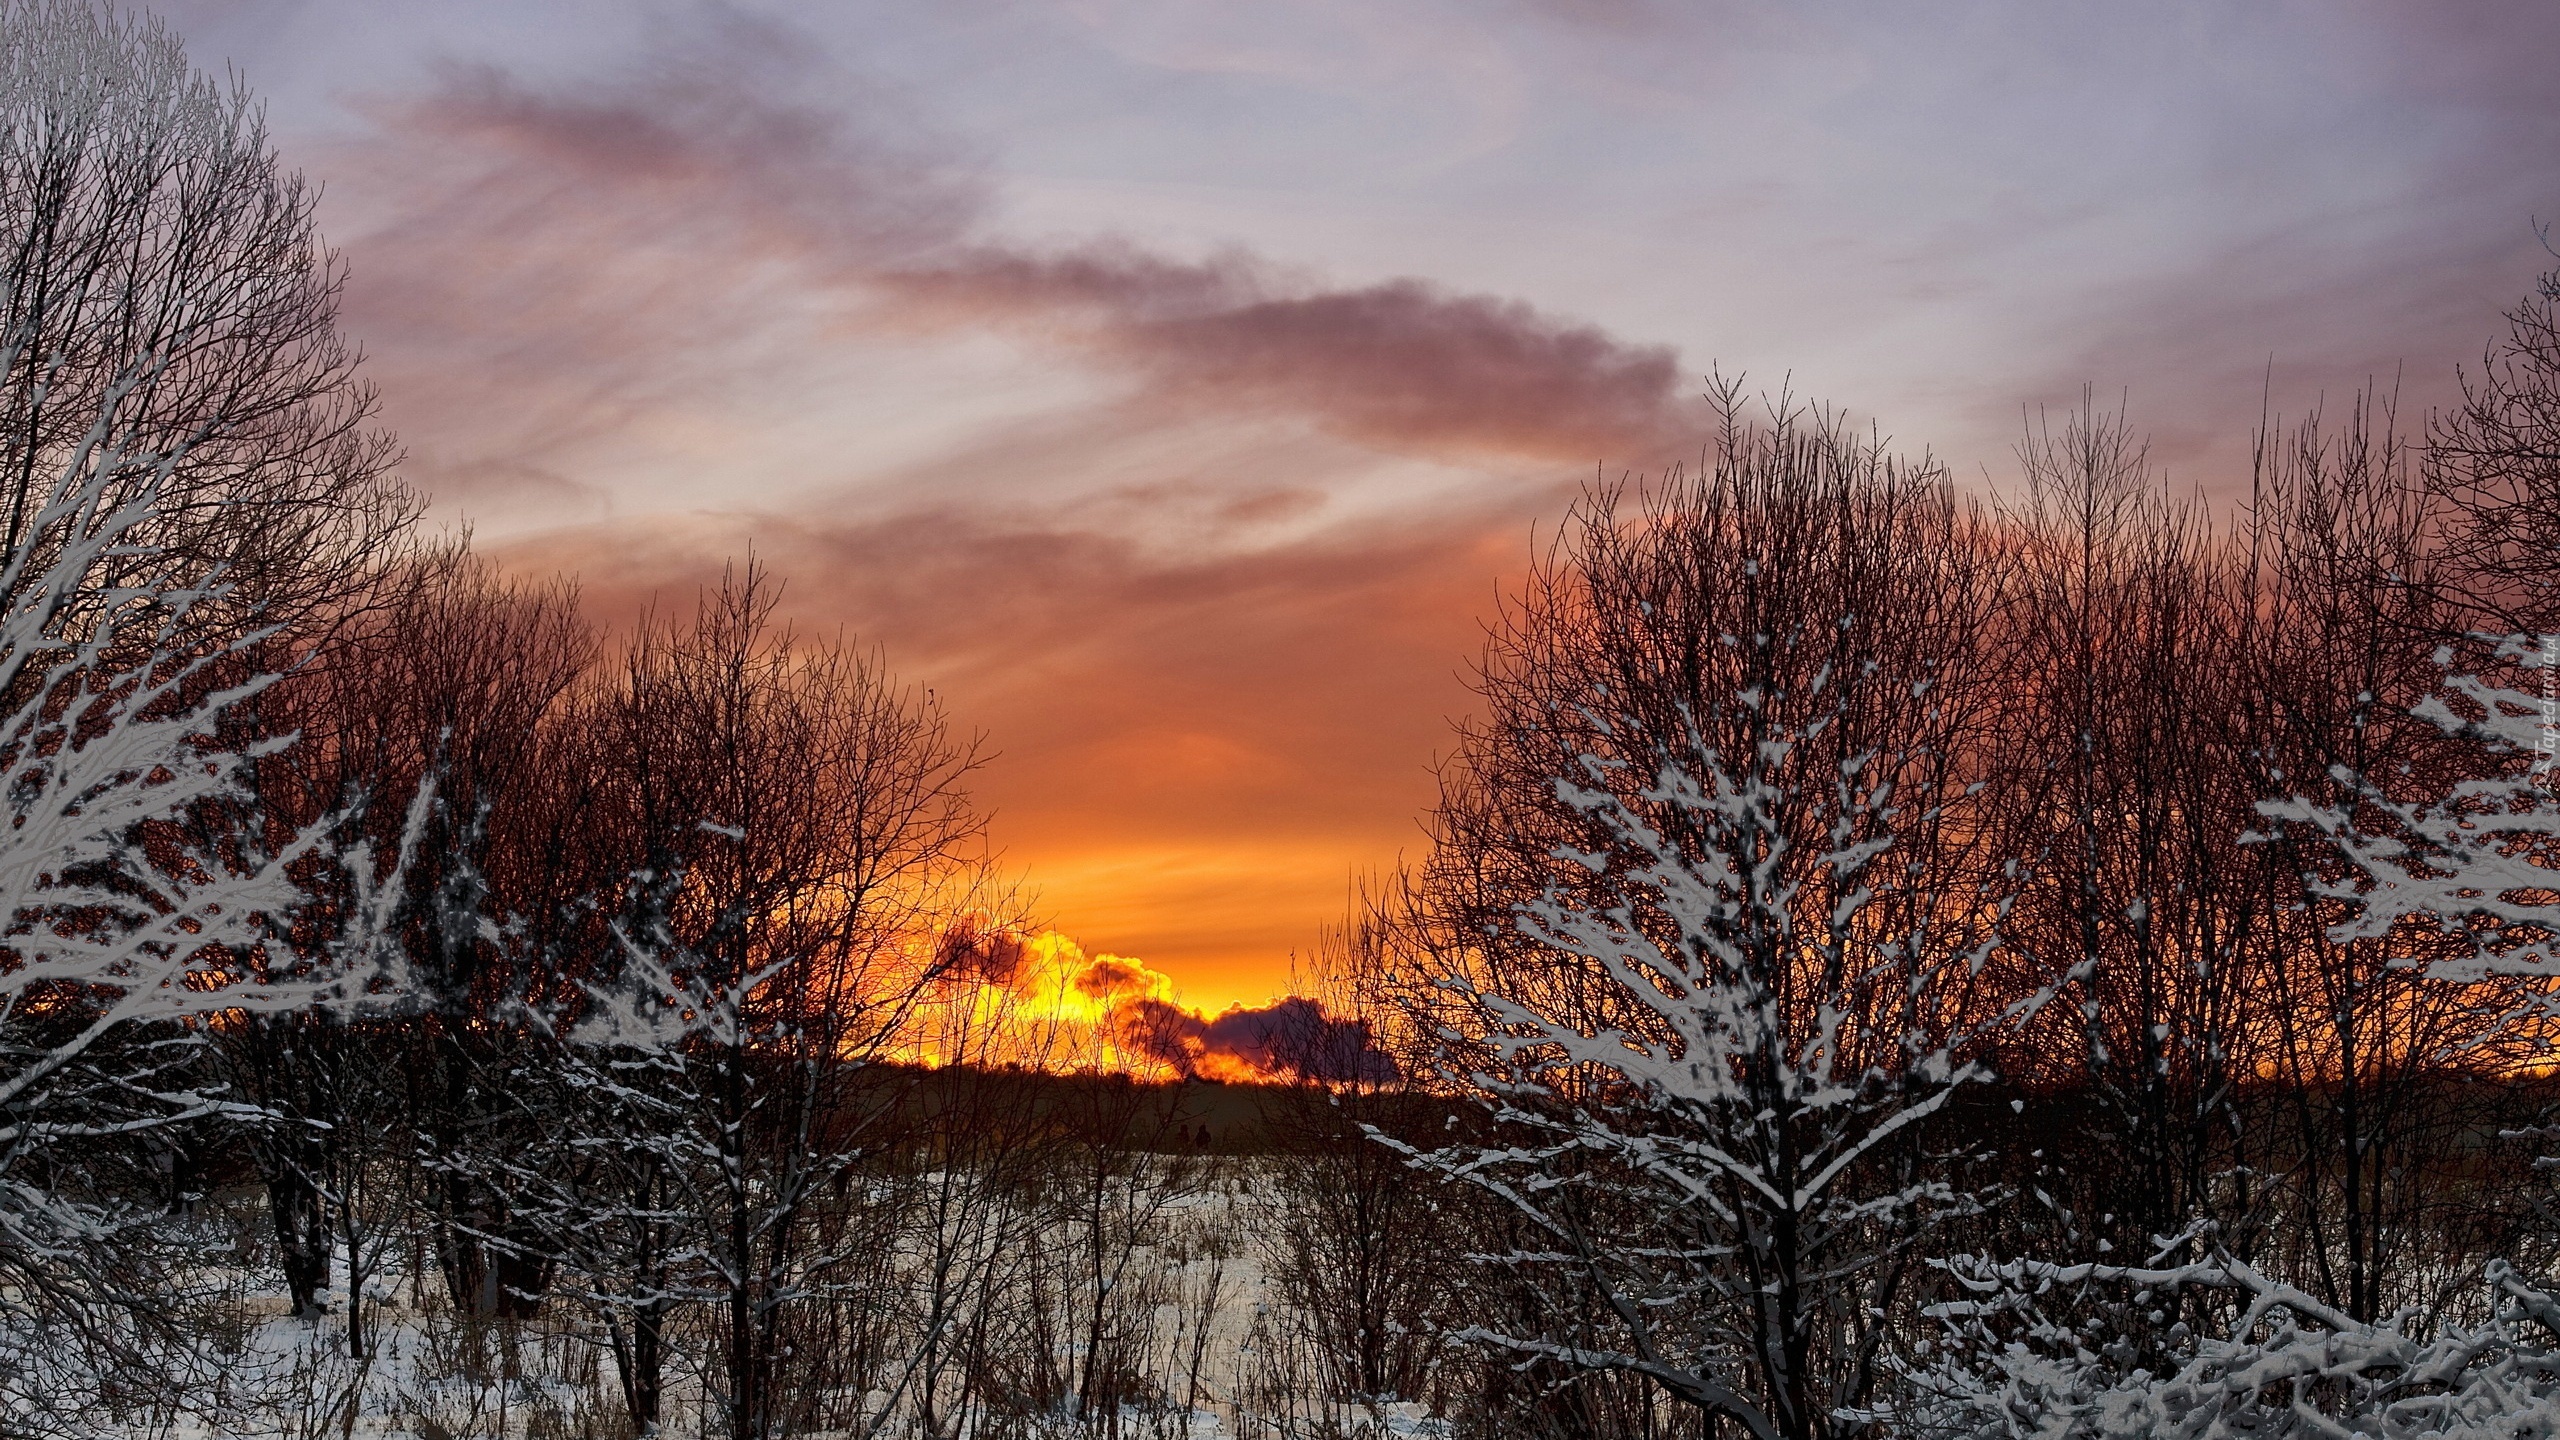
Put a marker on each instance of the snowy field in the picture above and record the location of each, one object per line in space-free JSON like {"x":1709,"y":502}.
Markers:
{"x":1220,"y":1362}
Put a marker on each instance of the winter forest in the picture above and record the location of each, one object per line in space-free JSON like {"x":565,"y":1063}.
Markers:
{"x":1892,"y":959}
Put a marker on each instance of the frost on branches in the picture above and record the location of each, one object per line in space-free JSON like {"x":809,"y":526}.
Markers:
{"x":2043,"y":1350}
{"x":1712,"y":1137}
{"x":146,"y":898}
{"x":2475,"y":863}
{"x":2467,"y":878}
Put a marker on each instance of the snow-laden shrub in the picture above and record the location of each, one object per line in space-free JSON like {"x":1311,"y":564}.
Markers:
{"x":2081,"y":1352}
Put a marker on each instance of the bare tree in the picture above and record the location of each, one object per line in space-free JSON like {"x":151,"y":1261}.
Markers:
{"x":2349,"y":610}
{"x":2122,"y":781}
{"x":977,"y":1207}
{"x":155,"y":247}
{"x":2495,"y":459}
{"x":798,"y":834}
{"x":1365,"y":1262}
{"x":1126,"y":1168}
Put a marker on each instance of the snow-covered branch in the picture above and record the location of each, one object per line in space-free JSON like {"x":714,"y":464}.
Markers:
{"x":1715,"y":1160}
{"x":2476,"y":862}
{"x":2089,"y":1352}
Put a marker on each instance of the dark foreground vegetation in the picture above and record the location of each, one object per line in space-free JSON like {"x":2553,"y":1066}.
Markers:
{"x":1889,"y":962}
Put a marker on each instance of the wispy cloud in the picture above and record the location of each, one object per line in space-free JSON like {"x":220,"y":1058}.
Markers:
{"x":606,"y":246}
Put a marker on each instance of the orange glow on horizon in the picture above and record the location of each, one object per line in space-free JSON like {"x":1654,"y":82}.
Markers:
{"x":1195,"y":755}
{"x":1041,"y":1000}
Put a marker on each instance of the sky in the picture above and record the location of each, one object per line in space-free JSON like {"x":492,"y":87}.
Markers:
{"x":1173,"y":385}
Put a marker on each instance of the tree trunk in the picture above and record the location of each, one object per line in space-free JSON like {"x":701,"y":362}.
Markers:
{"x":302,"y":1235}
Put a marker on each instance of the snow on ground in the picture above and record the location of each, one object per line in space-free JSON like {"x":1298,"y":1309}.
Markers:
{"x":437,"y":1375}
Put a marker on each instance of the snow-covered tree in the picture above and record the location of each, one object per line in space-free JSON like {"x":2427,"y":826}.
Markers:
{"x":792,"y":831}
{"x":1710,"y":915}
{"x":451,"y":679}
{"x":188,"y":465}
{"x":1722,"y":1166}
{"x":146,"y":897}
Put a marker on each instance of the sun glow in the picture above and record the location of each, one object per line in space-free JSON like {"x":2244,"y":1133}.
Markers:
{"x":1056,"y":980}
{"x":1040,"y":1000}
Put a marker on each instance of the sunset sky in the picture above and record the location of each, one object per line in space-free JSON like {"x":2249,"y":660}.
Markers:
{"x":1172,"y":384}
